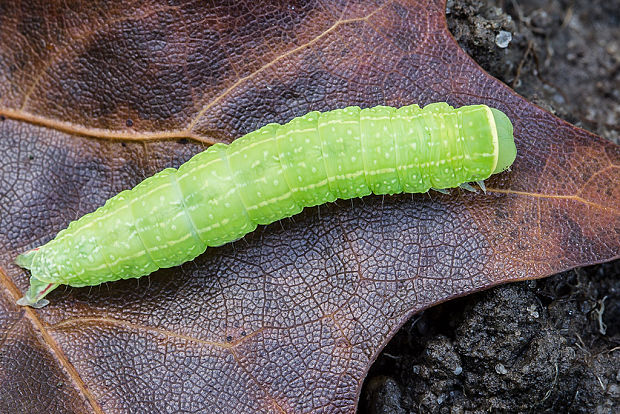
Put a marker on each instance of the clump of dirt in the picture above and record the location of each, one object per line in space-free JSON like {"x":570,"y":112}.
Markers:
{"x":550,"y":345}
{"x":526,"y":347}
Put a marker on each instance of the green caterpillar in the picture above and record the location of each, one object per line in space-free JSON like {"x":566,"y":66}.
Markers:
{"x":223,"y":193}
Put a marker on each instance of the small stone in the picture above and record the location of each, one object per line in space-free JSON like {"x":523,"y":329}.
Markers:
{"x":501,"y":369}
{"x":503,"y":39}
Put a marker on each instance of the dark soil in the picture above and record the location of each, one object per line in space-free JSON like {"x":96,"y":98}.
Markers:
{"x":550,"y":345}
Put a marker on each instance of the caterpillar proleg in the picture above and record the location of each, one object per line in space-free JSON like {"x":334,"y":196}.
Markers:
{"x":223,"y":193}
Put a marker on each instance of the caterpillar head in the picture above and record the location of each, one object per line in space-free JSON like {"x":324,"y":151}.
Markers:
{"x":507,"y":151}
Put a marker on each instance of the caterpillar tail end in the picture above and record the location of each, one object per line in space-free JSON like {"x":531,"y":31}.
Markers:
{"x":38,"y":289}
{"x":25,"y":259}
{"x":36,"y":292}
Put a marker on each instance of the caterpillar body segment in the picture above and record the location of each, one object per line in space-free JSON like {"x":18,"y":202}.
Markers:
{"x":223,"y":193}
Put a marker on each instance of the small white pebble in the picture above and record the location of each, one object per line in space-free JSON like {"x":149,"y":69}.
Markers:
{"x":503,"y":39}
{"x":501,"y":369}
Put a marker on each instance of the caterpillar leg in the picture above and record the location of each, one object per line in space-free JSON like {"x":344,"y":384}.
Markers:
{"x":38,"y":289}
{"x":468,"y":187}
{"x":482,"y":186}
{"x":441,"y":190}
{"x":36,"y":292}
